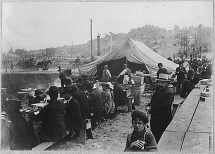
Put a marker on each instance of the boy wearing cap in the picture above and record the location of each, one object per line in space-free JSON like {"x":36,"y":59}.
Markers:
{"x":161,"y":104}
{"x":52,"y":117}
{"x":140,"y":139}
{"x":189,"y":84}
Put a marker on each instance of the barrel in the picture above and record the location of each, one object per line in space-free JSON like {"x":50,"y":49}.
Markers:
{"x":136,"y":92}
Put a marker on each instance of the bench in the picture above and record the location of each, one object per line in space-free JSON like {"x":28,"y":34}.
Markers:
{"x":43,"y":146}
{"x":82,"y":139}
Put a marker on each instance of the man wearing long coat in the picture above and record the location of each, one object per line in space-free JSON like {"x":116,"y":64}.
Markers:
{"x":81,"y":97}
{"x":72,"y":114}
{"x":52,"y":116}
{"x":96,"y":104}
{"x":161,"y":104}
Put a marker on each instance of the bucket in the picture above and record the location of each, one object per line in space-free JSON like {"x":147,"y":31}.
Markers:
{"x":135,"y":91}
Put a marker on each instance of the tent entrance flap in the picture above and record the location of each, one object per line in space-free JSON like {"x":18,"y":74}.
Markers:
{"x":116,"y":66}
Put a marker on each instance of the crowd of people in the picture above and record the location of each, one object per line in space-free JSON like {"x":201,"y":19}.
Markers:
{"x":86,"y":103}
{"x":202,"y":67}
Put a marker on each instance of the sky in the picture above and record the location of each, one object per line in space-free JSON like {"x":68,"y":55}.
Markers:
{"x":40,"y":25}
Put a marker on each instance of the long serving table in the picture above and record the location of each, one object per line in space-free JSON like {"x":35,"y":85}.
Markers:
{"x":191,"y":128}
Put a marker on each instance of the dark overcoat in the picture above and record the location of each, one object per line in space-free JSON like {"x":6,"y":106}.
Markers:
{"x":52,"y":117}
{"x":81,"y":97}
{"x":96,"y":101}
{"x":72,"y":115}
{"x":161,"y":115}
{"x":187,"y":87}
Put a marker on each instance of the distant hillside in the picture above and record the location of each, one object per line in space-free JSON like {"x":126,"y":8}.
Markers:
{"x":146,"y":34}
{"x":154,"y":37}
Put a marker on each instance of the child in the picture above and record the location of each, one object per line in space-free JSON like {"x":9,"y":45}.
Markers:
{"x":140,"y":139}
{"x":108,"y":100}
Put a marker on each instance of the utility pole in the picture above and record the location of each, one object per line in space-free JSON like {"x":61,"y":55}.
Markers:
{"x":200,"y":41}
{"x":71,"y":49}
{"x":186,"y":43}
{"x":181,"y":39}
{"x":111,"y":39}
{"x":98,"y":42}
{"x":105,"y":44}
{"x":91,"y":21}
{"x":195,"y":47}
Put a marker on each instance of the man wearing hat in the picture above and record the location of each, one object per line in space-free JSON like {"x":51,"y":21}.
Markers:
{"x":81,"y":97}
{"x":106,"y":74}
{"x":96,"y":104}
{"x":72,"y":114}
{"x":160,"y":105}
{"x":180,"y":72}
{"x":140,"y":139}
{"x":52,"y":116}
{"x":188,"y":85}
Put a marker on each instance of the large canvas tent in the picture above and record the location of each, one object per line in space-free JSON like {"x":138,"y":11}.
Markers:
{"x":136,"y":54}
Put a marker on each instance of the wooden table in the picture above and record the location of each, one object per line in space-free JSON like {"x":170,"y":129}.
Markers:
{"x":191,"y":128}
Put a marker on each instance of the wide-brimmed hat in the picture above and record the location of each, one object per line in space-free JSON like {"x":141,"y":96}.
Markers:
{"x":53,"y":90}
{"x":191,"y":72}
{"x":163,"y":77}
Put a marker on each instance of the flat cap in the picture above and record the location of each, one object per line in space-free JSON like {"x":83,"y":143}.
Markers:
{"x":141,"y":115}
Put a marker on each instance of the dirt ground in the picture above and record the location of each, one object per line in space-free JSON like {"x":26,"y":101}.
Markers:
{"x":110,"y":136}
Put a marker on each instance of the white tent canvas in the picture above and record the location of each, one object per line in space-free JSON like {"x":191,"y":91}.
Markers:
{"x":135,"y":52}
